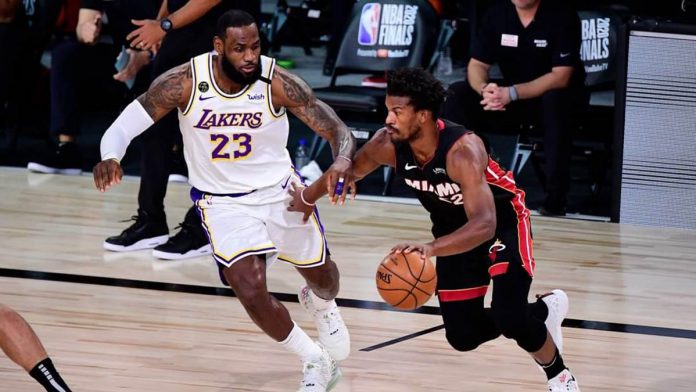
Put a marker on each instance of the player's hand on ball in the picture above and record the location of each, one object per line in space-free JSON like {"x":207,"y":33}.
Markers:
{"x":407,"y":247}
{"x":107,"y":173}
{"x":297,"y":204}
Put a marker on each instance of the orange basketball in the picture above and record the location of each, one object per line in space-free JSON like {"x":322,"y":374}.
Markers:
{"x":406,"y":281}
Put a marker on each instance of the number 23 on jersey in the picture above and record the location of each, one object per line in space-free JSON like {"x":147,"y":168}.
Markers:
{"x":223,"y":150}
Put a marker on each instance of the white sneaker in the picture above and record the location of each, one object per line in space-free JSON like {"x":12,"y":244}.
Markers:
{"x":564,"y":382}
{"x":333,"y":333}
{"x":557,"y":303}
{"x":320,"y":375}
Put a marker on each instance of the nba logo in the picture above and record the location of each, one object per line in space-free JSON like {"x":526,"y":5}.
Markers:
{"x":369,"y":24}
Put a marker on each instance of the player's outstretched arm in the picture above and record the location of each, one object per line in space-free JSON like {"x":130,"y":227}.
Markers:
{"x":292,"y":92}
{"x":170,"y":90}
{"x":376,"y":152}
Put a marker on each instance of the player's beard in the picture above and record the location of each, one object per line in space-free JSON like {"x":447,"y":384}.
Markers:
{"x":238,"y":77}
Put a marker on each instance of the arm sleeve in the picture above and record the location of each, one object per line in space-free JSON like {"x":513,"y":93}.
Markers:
{"x":133,"y":121}
{"x":567,"y":40}
{"x":485,"y":42}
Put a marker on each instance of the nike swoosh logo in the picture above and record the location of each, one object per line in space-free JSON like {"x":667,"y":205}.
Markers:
{"x":286,"y":183}
{"x":565,"y":55}
{"x":409,"y":167}
{"x":202,"y":98}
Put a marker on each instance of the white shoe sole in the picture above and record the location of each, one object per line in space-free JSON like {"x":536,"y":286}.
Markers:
{"x":202,"y":251}
{"x":39,"y":168}
{"x":334,"y":380}
{"x":178,"y":178}
{"x":147,"y":243}
{"x":557,"y":304}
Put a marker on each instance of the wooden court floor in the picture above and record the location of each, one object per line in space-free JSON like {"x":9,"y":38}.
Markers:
{"x":128,"y":322}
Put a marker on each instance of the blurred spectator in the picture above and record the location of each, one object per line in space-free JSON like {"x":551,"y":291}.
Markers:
{"x":536,"y":44}
{"x":25,"y":29}
{"x":80,"y":60}
{"x":185,"y":29}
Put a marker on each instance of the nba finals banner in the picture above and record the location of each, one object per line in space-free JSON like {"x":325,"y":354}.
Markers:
{"x":394,"y":31}
{"x":599,"y":31}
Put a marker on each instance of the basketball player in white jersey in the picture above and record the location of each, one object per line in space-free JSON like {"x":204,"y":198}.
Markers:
{"x":232,"y":113}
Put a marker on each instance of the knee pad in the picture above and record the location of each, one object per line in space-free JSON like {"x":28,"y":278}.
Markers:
{"x":516,"y":324}
{"x":510,"y":322}
{"x":462,"y":341}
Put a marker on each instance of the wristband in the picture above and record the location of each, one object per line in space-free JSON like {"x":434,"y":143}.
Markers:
{"x":513,"y":93}
{"x":305,"y":201}
{"x":344,"y":157}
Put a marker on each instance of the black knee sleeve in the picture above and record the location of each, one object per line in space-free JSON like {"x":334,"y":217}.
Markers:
{"x":462,"y":341}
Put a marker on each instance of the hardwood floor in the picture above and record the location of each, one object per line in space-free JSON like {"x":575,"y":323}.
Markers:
{"x":105,"y":335}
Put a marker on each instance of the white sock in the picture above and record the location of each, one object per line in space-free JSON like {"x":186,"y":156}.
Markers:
{"x":299,"y":343}
{"x":318,"y":302}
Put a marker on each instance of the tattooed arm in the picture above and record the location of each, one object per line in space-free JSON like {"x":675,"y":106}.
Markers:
{"x":170,"y":90}
{"x":292,"y":92}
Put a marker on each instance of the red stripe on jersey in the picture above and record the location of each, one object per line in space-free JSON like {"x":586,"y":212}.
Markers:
{"x":496,"y":176}
{"x":462,"y":294}
{"x":498,"y":269}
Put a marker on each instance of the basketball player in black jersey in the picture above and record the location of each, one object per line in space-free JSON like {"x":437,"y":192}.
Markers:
{"x":480,"y":224}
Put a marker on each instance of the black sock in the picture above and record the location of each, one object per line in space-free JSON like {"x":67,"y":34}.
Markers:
{"x":46,"y":374}
{"x":553,"y":368}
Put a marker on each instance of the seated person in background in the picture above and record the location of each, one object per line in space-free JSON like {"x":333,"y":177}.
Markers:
{"x":536,"y":43}
{"x":81,"y":60}
{"x":19,"y":342}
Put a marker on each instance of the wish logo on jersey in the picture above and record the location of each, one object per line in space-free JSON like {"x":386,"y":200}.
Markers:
{"x":369,"y":24}
{"x":210,"y":120}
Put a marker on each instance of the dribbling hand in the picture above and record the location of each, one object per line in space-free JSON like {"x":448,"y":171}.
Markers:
{"x":425,"y":250}
{"x":107,"y":173}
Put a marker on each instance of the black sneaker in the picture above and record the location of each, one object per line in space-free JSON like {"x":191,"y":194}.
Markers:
{"x":552,"y":211}
{"x":65,"y":159}
{"x":190,"y":241}
{"x":147,"y":232}
{"x":554,"y":205}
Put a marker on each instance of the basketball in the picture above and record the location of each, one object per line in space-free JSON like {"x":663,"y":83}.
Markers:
{"x":405,"y":281}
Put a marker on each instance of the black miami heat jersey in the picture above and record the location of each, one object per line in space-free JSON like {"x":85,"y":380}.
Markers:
{"x":442,"y":196}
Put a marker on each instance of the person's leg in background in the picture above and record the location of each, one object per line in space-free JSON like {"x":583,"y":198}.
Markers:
{"x":340,"y":16}
{"x":12,"y":36}
{"x":150,"y":229}
{"x":559,"y":117}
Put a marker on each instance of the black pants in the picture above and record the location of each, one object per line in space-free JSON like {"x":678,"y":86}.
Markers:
{"x":178,"y":47}
{"x":556,"y":113}
{"x":75,"y":69}
{"x":463,"y":281}
{"x":22,"y":42}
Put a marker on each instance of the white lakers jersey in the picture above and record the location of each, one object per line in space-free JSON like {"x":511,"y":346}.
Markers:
{"x":233,"y":143}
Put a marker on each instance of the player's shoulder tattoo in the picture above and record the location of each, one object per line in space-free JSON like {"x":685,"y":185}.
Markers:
{"x":167,"y":90}
{"x":294,"y":87}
